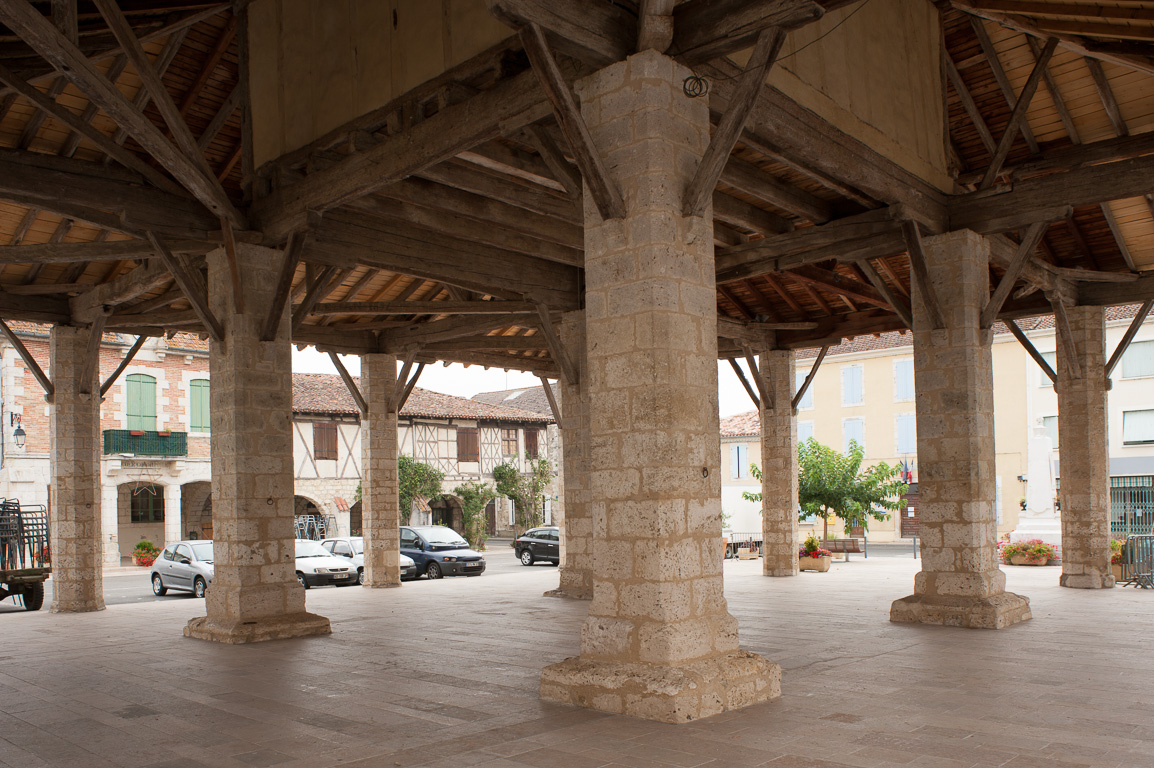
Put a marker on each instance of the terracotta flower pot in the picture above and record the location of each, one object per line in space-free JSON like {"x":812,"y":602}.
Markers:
{"x":1023,"y":560}
{"x":819,"y":564}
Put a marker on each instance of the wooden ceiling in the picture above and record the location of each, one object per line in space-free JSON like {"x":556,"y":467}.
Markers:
{"x":467,"y":255}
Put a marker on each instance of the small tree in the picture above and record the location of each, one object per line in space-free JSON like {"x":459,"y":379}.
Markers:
{"x":526,"y":489}
{"x":474,"y":498}
{"x":831,"y":482}
{"x":416,"y":482}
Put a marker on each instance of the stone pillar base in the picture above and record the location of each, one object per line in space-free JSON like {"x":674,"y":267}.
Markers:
{"x":86,"y":606}
{"x":572,"y":593}
{"x":665,"y":694}
{"x":236,"y":631}
{"x":386,"y":585}
{"x":995,"y":612}
{"x":791,"y":570}
{"x":1090,"y":580}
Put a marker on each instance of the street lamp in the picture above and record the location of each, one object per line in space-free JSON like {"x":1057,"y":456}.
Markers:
{"x":18,"y":434}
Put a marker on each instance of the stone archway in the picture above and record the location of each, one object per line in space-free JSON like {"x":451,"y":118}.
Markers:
{"x":312,"y":521}
{"x":196,"y":510}
{"x":140,"y":516}
{"x":356,"y":522}
{"x":447,"y":511}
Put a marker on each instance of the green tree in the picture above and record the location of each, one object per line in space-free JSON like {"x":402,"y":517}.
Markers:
{"x":417,"y":482}
{"x":474,"y":497}
{"x":831,"y":482}
{"x":526,"y":489}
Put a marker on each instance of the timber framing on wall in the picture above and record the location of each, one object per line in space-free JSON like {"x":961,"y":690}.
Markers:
{"x":446,"y":224}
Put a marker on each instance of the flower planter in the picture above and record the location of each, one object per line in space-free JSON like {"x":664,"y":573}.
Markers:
{"x":1022,"y":560}
{"x":819,"y":564}
{"x":143,"y":560}
{"x":1116,"y":569}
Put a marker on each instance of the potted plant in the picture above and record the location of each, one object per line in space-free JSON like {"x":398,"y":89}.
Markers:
{"x":1031,"y":552}
{"x":145,"y":553}
{"x":811,"y":557}
{"x":1118,"y":559}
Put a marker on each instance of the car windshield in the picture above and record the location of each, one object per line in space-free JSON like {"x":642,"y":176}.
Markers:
{"x":203,"y":551}
{"x":440,"y":535}
{"x":311,"y":549}
{"x":358,"y":546}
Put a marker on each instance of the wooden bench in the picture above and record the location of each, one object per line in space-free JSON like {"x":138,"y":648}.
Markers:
{"x":846,"y":546}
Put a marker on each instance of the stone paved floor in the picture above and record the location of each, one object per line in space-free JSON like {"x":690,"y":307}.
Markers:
{"x":445,"y":674}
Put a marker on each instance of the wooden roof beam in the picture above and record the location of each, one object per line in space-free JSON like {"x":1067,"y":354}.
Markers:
{"x":708,"y":29}
{"x":423,"y":307}
{"x":1019,"y":113}
{"x":833,"y":282}
{"x":1007,"y":89}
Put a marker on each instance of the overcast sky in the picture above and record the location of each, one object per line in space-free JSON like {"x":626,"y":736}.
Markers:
{"x":458,"y":380}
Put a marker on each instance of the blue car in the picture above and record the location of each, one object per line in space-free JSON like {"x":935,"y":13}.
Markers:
{"x":439,"y":551}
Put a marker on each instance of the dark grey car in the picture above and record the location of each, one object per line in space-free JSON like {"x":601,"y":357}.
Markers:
{"x":185,"y":566}
{"x":539,"y":544}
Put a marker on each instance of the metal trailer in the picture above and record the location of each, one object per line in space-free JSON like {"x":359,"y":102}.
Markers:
{"x":25,"y":560}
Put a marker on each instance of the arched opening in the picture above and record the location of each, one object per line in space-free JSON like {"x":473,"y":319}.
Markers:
{"x":140,"y":517}
{"x":311,"y":520}
{"x":447,"y":511}
{"x":355,"y":522}
{"x":196,"y":510}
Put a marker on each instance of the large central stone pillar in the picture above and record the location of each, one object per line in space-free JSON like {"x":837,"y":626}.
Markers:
{"x":380,"y":506}
{"x":1084,"y":457}
{"x":255,"y":594}
{"x":74,"y":427}
{"x":576,"y":572}
{"x":960,"y":583}
{"x":779,"y":533}
{"x":659,"y":641}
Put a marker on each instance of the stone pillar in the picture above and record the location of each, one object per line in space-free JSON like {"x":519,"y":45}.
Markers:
{"x":110,"y":522}
{"x":960,"y":583}
{"x":780,"y":538}
{"x":380,"y":507}
{"x":659,"y":641}
{"x":75,"y":510}
{"x":173,"y":521}
{"x":1084,"y":457}
{"x":255,"y":594}
{"x":576,"y":572}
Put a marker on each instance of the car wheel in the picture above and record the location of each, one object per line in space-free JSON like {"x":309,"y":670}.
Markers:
{"x":301,"y":579}
{"x":526,"y":557}
{"x":361,"y":576}
{"x":199,"y":587}
{"x":434,"y":571}
{"x":158,"y":587}
{"x":34,"y":596}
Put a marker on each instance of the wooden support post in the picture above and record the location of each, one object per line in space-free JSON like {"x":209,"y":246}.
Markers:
{"x":402,"y":380}
{"x":91,"y":369}
{"x":606,"y":194}
{"x":1135,"y":324}
{"x":1006,"y":284}
{"x":1018,"y":114}
{"x":292,"y":255}
{"x":809,"y":379}
{"x":553,"y":406}
{"x":899,"y":306}
{"x":362,"y":406}
{"x":560,"y":356}
{"x":758,"y":379}
{"x":1065,"y":336}
{"x":913,"y":238}
{"x":233,"y":269}
{"x":409,"y":387}
{"x":979,"y":26}
{"x":128,"y":357}
{"x":655,"y":25}
{"x":1032,"y":351}
{"x":700,"y":189}
{"x":191,"y":285}
{"x":29,"y":361}
{"x":968,"y":102}
{"x":745,"y":383}
{"x":314,"y":294}
{"x":568,"y":176}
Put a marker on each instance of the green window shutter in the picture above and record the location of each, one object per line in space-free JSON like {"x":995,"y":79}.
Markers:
{"x":141,"y":402}
{"x":199,"y":417}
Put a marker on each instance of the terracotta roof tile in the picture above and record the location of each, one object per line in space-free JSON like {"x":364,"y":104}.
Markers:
{"x":527,"y":398}
{"x":746,"y":424}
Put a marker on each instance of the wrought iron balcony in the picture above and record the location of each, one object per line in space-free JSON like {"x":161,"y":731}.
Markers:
{"x":142,"y":443}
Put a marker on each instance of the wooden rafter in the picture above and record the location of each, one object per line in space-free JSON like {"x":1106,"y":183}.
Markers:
{"x":29,"y":360}
{"x":1066,"y":338}
{"x":895,"y":301}
{"x":192,"y":285}
{"x":556,"y":348}
{"x":763,"y":391}
{"x":125,"y":361}
{"x":1006,"y":284}
{"x":991,"y":53}
{"x":358,"y":398}
{"x":745,"y":383}
{"x":797,"y":398}
{"x":553,"y":405}
{"x":90,"y":368}
{"x":921,"y":274}
{"x":968,"y":103}
{"x":1128,"y":337}
{"x":1032,"y":351}
{"x":1019,"y":113}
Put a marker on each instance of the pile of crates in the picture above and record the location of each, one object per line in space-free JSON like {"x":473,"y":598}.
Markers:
{"x":25,"y":559}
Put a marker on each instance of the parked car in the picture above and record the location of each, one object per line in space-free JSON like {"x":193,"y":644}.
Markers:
{"x":185,"y":566}
{"x":316,"y":567}
{"x":539,"y":544}
{"x":439,"y":551}
{"x":353,"y":547}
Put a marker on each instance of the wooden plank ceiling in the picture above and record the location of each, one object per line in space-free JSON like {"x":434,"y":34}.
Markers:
{"x":464,"y":252}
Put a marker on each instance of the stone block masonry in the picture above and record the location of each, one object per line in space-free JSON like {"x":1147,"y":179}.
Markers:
{"x":380,"y":508}
{"x":659,"y":641}
{"x":780,"y":538}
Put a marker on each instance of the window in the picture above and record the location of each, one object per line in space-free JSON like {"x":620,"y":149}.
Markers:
{"x":738,"y":461}
{"x":531,"y":443}
{"x":806,"y":403}
{"x":1138,"y":361}
{"x":146,"y":505}
{"x":905,"y":433}
{"x":343,"y":549}
{"x":141,"y":390}
{"x":508,"y":442}
{"x":198,"y":405}
{"x":468,"y":448}
{"x":1137,"y":427}
{"x":804,"y":431}
{"x":903,"y":380}
{"x":852,"y":429}
{"x":325,"y":441}
{"x":851,"y":385}
{"x":1051,"y":425}
{"x":1052,"y":359}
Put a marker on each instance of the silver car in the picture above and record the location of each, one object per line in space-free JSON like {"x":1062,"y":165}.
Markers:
{"x":185,"y":566}
{"x":354,"y":547}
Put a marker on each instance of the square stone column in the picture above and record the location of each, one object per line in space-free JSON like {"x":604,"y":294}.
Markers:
{"x":110,"y":522}
{"x":576,"y":572}
{"x":659,"y":641}
{"x":380,"y":505}
{"x":1085,"y":455}
{"x":780,"y":538}
{"x":960,"y":583}
{"x":173,"y":524}
{"x":75,"y":513}
{"x":255,"y":594}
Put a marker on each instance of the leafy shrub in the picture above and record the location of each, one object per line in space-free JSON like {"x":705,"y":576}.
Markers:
{"x":1034,"y":550}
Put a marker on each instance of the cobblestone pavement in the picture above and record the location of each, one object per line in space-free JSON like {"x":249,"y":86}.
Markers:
{"x":445,"y":673}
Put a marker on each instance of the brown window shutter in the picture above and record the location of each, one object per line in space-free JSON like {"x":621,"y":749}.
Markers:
{"x":531,"y":442}
{"x":325,"y":441}
{"x":468,"y":446}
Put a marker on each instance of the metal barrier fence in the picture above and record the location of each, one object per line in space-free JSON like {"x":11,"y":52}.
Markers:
{"x":1139,"y":557}
{"x":1132,"y":506}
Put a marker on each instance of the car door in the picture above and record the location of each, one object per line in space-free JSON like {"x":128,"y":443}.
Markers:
{"x":181,"y":570}
{"x":411,"y":546}
{"x":342,"y":548}
{"x":552,"y":545}
{"x":163,"y":564}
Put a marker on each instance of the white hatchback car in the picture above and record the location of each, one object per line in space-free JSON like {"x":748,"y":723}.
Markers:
{"x":353,"y":547}
{"x":316,"y":567}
